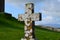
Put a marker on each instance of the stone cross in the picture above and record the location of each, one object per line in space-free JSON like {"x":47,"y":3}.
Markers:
{"x":29,"y":17}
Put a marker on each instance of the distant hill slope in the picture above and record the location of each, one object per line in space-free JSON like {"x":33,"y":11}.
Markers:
{"x":11,"y":29}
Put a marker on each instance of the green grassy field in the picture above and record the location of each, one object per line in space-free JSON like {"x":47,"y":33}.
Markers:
{"x":11,"y":29}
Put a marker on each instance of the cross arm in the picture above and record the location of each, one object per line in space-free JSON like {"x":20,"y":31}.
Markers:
{"x":21,"y":17}
{"x":34,"y":17}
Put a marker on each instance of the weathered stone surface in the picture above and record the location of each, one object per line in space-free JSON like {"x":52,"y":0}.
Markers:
{"x":34,"y":17}
{"x":29,"y":17}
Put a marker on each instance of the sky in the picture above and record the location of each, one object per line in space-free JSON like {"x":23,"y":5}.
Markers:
{"x":50,"y":10}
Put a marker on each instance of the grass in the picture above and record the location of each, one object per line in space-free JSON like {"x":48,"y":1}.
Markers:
{"x":43,"y":34}
{"x":11,"y":29}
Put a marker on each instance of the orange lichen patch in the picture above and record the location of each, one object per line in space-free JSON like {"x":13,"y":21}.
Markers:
{"x":30,"y":8}
{"x":28,"y":21}
{"x":20,"y":17}
{"x":30,"y":27}
{"x":30,"y":34}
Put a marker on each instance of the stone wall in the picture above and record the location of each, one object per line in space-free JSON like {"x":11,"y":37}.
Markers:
{"x":50,"y":28}
{"x":2,"y":5}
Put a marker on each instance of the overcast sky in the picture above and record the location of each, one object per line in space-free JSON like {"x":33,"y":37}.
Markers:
{"x":50,"y":9}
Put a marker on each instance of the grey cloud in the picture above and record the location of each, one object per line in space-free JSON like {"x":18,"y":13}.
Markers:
{"x":52,"y":8}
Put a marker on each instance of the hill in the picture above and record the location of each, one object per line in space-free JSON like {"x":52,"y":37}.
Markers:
{"x":12,"y":29}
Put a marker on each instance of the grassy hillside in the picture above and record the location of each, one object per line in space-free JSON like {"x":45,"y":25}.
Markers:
{"x":11,"y":29}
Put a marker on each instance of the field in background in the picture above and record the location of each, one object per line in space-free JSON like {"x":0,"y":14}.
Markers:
{"x":11,"y":29}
